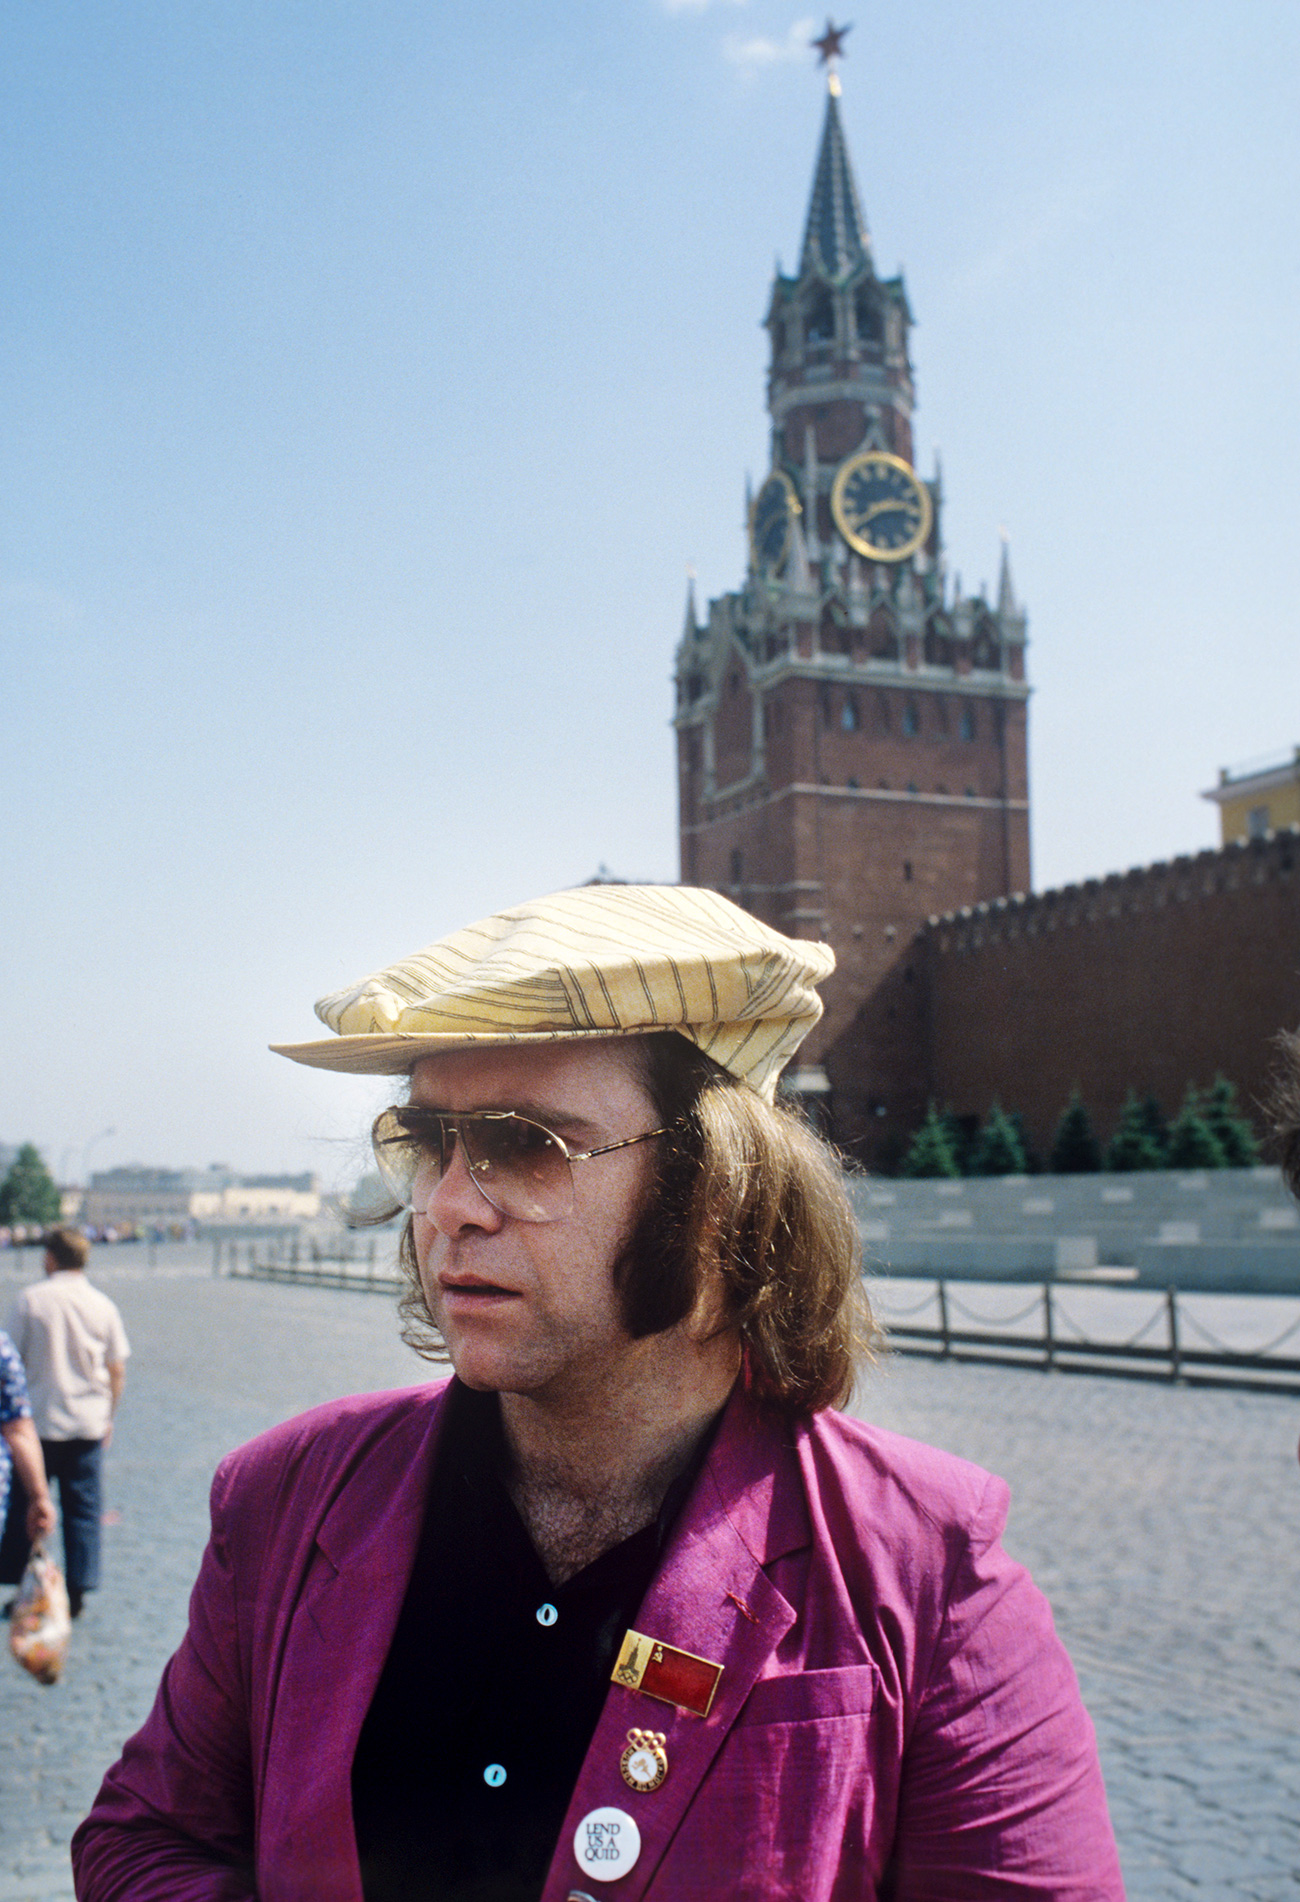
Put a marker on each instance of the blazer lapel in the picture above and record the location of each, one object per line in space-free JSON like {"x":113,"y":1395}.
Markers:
{"x":712,"y":1598}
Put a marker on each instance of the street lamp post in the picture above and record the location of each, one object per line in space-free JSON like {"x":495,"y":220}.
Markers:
{"x":85,"y":1154}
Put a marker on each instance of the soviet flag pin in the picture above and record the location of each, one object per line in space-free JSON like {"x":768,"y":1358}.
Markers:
{"x":662,"y":1671}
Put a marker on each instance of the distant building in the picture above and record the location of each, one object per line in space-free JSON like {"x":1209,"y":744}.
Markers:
{"x":1258,"y":798}
{"x":136,"y":1196}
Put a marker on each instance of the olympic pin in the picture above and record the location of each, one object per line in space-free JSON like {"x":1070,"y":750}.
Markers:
{"x":644,"y":1763}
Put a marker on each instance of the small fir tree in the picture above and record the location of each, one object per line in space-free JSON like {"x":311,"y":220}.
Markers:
{"x":27,"y":1193}
{"x":1231,"y":1129}
{"x":962,"y":1133}
{"x":1033,"y":1161}
{"x":930,"y":1152}
{"x":1157,"y":1126}
{"x":1192,"y":1144}
{"x":1133,"y":1146}
{"x":998,"y":1151}
{"x":1075,"y":1149}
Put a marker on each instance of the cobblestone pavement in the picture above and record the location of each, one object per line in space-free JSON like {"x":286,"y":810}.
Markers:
{"x":1163,"y":1523}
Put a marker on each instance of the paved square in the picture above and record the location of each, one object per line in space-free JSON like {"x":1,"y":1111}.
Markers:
{"x":1163,"y":1523}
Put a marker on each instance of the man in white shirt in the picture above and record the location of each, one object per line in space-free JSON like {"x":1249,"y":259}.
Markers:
{"x":74,"y":1349}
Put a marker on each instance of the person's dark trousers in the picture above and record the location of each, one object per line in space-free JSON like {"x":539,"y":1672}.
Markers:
{"x":77,"y":1466}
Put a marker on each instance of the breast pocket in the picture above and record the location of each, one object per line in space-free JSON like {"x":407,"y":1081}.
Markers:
{"x":803,"y":1697}
{"x":790,"y":1792}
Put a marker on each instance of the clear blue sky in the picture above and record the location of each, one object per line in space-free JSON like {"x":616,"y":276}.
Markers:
{"x":372,"y":372}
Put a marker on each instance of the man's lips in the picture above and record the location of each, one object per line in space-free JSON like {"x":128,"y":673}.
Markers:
{"x":472,"y":1288}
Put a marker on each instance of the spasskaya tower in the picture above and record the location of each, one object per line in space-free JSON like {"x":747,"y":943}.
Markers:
{"x":851,"y":728}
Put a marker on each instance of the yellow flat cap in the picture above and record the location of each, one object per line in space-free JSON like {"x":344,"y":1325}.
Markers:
{"x":599,"y":961}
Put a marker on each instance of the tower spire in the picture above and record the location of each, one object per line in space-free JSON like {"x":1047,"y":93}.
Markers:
{"x":835,"y":242}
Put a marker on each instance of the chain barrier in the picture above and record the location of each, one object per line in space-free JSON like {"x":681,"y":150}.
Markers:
{"x":1061,"y":1333}
{"x":987,"y":1320}
{"x":915,"y":1307}
{"x":1223,"y":1347}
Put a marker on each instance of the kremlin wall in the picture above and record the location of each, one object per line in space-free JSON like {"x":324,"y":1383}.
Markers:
{"x":1150,"y":979}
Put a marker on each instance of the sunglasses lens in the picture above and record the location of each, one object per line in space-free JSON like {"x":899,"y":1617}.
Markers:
{"x":398,"y":1157}
{"x":521,"y":1168}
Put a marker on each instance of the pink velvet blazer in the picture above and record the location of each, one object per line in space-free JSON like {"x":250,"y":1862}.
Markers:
{"x":895,"y":1716}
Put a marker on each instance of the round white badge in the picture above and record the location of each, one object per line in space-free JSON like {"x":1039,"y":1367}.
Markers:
{"x":606,"y":1844}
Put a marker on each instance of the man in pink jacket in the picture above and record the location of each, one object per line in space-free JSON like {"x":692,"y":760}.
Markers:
{"x":624,"y":1609}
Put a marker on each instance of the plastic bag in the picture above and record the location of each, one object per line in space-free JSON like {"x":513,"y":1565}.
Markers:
{"x":40,"y":1623}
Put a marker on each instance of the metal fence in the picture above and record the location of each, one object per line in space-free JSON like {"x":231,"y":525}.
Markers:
{"x":1172,"y":1343}
{"x":364,"y":1263}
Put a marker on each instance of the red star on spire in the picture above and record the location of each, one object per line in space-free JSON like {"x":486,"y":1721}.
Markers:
{"x":831,"y":44}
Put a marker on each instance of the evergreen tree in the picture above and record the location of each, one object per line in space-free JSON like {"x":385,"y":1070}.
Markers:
{"x":1133,"y":1146}
{"x":930,"y":1152}
{"x":1157,"y":1126}
{"x":998,"y":1151}
{"x":962,"y":1132}
{"x":1231,"y":1130}
{"x":1075,"y":1149}
{"x":1192,"y":1144}
{"x":27,"y":1193}
{"x":1033,"y":1161}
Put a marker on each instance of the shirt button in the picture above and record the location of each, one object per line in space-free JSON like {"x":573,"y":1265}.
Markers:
{"x":494,"y":1776}
{"x":546,"y":1614}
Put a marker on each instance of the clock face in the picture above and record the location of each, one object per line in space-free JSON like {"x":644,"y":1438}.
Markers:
{"x":879,"y":506}
{"x":775,"y":507}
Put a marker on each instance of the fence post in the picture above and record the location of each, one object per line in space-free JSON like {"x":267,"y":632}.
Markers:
{"x":1049,"y":1340}
{"x":946,"y":1349}
{"x":1175,"y":1348}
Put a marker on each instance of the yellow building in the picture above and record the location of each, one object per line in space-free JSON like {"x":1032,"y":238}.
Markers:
{"x":1260,"y":797}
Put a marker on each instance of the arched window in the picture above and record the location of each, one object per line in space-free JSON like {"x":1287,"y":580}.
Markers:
{"x":883,"y":636}
{"x":911,"y":720}
{"x":967,"y":726}
{"x":849,"y":718}
{"x":986,"y":650}
{"x":882,"y":712}
{"x":819,"y":327}
{"x":832,"y":634}
{"x":938,"y":643}
{"x":866,"y":315}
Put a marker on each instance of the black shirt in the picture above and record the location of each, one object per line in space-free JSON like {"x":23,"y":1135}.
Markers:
{"x":493,"y":1685}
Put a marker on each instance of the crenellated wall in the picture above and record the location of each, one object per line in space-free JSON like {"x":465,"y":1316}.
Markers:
{"x":1150,"y":979}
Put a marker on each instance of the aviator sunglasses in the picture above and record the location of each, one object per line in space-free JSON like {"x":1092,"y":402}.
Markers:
{"x":519,"y":1166}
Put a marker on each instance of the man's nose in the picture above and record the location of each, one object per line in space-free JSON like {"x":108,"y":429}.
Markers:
{"x":456,"y":1202}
